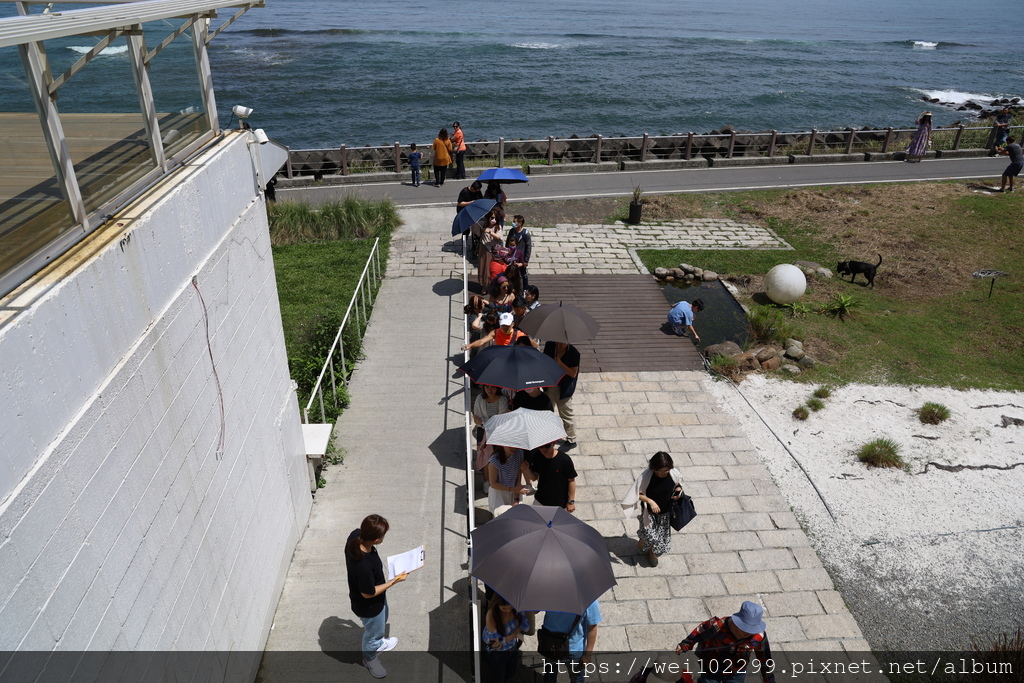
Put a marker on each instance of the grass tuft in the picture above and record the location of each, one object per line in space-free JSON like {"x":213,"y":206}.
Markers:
{"x":933,"y":413}
{"x":823,"y":391}
{"x":880,"y":453}
{"x":801,"y":413}
{"x":815,"y":404}
{"x":768,"y":325}
{"x":293,"y":222}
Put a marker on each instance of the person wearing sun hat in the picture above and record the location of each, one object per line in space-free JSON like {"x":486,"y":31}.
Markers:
{"x":723,"y":646}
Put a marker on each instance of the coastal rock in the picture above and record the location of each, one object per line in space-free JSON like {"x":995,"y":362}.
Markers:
{"x":792,"y":369}
{"x":807,"y":264}
{"x":745,"y":362}
{"x":726,"y":348}
{"x":677,"y":273}
{"x":709,"y":276}
{"x":660,"y":273}
{"x":794,"y":352}
{"x":793,"y":342}
{"x":771,"y":364}
{"x":823,"y":272}
{"x":698,"y":273}
{"x":686,"y":267}
{"x":764,"y":353}
{"x":807,"y":362}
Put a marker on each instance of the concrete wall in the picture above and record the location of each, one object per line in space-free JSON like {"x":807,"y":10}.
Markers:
{"x":133,"y":515}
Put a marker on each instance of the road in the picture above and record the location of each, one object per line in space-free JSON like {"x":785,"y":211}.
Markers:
{"x":620,"y":183}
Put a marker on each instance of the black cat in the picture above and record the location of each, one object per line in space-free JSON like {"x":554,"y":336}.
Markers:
{"x":851,"y":268}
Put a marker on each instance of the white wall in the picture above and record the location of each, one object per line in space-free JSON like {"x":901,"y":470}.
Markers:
{"x":121,"y":526}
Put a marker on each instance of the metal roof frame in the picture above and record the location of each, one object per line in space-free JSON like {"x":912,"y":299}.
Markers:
{"x":120,"y":16}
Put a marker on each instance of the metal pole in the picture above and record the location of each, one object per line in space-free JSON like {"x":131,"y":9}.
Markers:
{"x":344,"y":368}
{"x":334,"y":388}
{"x":732,"y":143}
{"x":959,"y":134}
{"x":551,"y":150}
{"x":643,"y":148}
{"x":501,"y":152}
{"x":199,"y":31}
{"x":888,"y":139}
{"x":597,"y":150}
{"x":137,"y":55}
{"x":398,"y":157}
{"x":689,"y":145}
{"x":344,"y":160}
{"x":849,"y":141}
{"x":771,"y":145}
{"x":810,"y":146}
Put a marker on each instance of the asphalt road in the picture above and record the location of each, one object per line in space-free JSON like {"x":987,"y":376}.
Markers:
{"x":620,"y":183}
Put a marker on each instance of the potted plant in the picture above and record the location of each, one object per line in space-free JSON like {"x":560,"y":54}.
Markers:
{"x":636,"y":205}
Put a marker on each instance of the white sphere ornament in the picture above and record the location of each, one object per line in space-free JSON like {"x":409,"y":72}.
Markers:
{"x":785,"y":283}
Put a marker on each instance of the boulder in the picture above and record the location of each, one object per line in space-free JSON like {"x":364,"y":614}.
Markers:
{"x":660,"y":273}
{"x":794,"y":352}
{"x":764,"y":353}
{"x":669,"y":278}
{"x":807,"y":264}
{"x":823,"y":272}
{"x":792,"y":369}
{"x":676,"y":273}
{"x":698,"y":273}
{"x":726,"y":348}
{"x":686,"y":267}
{"x":688,"y":277}
{"x":771,"y":364}
{"x":745,"y":362}
{"x":793,"y":342}
{"x":806,"y":361}
{"x":709,"y":276}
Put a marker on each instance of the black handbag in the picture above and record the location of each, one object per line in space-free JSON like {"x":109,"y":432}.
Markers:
{"x":555,"y":646}
{"x":682,"y":512}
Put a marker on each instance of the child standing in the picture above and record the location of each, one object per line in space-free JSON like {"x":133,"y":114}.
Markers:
{"x":520,"y":236}
{"x":414,"y":164}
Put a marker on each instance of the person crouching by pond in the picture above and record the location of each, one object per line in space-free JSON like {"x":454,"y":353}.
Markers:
{"x":367,"y":587}
{"x":681,"y":316}
{"x":654,"y":491}
{"x":503,"y":636}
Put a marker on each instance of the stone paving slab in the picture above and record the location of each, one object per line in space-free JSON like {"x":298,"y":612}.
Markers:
{"x":571,"y":248}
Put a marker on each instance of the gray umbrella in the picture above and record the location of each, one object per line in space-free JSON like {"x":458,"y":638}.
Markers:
{"x":540,"y":557}
{"x":559,"y":323}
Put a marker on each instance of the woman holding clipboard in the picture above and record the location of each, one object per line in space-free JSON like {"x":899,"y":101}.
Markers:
{"x":367,"y":587}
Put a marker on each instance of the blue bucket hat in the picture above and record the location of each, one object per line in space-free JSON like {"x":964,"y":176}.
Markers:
{"x":748,"y":619}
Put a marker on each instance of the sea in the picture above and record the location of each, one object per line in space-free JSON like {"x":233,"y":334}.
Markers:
{"x":319,"y":73}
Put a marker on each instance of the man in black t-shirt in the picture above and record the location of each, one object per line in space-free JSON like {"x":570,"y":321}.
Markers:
{"x":470,"y":194}
{"x":557,"y":477}
{"x":532,"y":399}
{"x":568,"y":358}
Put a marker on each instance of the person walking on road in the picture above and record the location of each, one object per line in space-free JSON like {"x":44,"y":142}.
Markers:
{"x":459,"y":147}
{"x":919,"y":143}
{"x":723,"y":646}
{"x":1011,"y":149}
{"x":681,"y":316}
{"x":654,"y":491}
{"x":442,"y":156}
{"x":367,"y":587}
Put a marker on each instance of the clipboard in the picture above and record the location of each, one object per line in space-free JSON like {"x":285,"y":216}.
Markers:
{"x":408,"y":561}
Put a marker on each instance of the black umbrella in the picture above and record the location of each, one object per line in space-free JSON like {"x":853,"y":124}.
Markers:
{"x":471,"y":213}
{"x":513,"y":367}
{"x":560,"y":323}
{"x":540,"y":557}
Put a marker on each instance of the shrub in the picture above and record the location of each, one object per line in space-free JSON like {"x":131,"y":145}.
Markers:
{"x":841,"y":306}
{"x":933,"y":413}
{"x":768,"y":324}
{"x":724,"y":366}
{"x":815,"y":404}
{"x":823,"y":391}
{"x":293,"y":222}
{"x":801,"y":413}
{"x":880,"y":453}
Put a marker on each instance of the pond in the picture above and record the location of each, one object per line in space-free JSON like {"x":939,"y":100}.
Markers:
{"x":722,"y":318}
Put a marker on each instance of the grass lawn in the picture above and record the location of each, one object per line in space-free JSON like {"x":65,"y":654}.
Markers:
{"x":927,"y":320}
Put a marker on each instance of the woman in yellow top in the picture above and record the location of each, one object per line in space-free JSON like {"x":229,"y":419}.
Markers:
{"x":442,"y":156}
{"x":459,"y":146}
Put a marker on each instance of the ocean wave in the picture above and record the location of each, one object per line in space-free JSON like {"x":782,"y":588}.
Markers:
{"x":112,"y":50}
{"x":956,"y":97}
{"x":538,"y":46}
{"x":925,"y":45}
{"x":277,"y":32}
{"x":930,"y":45}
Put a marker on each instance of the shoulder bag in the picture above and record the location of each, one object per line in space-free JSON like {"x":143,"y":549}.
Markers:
{"x":682,"y":512}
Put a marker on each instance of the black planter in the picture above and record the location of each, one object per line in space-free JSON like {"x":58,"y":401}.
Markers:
{"x":635,"y":209}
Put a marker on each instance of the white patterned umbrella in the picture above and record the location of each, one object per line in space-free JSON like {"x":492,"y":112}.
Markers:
{"x":524,"y":428}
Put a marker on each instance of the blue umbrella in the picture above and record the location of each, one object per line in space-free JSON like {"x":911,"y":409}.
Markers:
{"x":503,"y":175}
{"x":470,"y":214}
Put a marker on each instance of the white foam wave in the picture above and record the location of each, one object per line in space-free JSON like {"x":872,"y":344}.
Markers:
{"x":538,"y":46}
{"x":114,"y":50}
{"x":925,"y":45}
{"x":956,"y":97}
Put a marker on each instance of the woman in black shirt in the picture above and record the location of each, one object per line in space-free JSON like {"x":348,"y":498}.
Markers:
{"x":654,"y":490}
{"x":366,"y":588}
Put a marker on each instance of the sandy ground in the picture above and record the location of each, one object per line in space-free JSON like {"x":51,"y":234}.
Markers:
{"x":925,"y":561}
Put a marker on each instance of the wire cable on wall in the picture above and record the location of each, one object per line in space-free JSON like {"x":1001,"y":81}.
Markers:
{"x":220,"y":393}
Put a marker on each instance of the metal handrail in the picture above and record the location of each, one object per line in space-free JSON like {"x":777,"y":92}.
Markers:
{"x":359,"y":295}
{"x":474,"y":598}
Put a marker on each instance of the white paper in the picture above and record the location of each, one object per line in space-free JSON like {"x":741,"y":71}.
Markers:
{"x":405,"y":562}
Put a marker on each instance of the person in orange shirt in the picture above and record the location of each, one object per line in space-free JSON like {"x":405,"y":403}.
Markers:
{"x":505,"y":335}
{"x":442,"y":156}
{"x":459,"y":145}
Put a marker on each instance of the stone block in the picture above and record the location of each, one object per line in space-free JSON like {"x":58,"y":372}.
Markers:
{"x":769,"y":558}
{"x":806,"y":579}
{"x":792,"y":604}
{"x":618,"y":434}
{"x":961,"y":153}
{"x":699,"y":473}
{"x":696,"y":586}
{"x":832,"y":601}
{"x":784,"y":538}
{"x":748,"y":521}
{"x":830,"y":626}
{"x":649,"y":637}
{"x":573,"y":167}
{"x":724,"y":460}
{"x":678,"y":611}
{"x":721,"y":162}
{"x":642,"y":588}
{"x":714,"y":563}
{"x":645,"y":447}
{"x":785,"y":630}
{"x":619,"y":613}
{"x":826,"y":158}
{"x":705,"y":523}
{"x":726,"y":605}
{"x":748,"y":472}
{"x":784,"y":520}
{"x":680,"y":419}
{"x":664,"y":164}
{"x":733,"y":487}
{"x":743,"y":583}
{"x":734,"y":540}
{"x":764,"y":503}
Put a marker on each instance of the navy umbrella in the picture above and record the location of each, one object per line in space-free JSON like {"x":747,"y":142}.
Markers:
{"x":503,"y":175}
{"x":470,"y":214}
{"x":540,"y":557}
{"x":513,"y":367}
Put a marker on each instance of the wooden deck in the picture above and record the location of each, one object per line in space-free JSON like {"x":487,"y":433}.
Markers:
{"x":631,"y":310}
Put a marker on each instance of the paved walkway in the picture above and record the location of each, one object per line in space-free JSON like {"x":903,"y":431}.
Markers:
{"x":402,"y":442}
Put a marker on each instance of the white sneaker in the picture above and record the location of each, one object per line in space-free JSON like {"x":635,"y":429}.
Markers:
{"x":387,"y":644}
{"x":375,"y":668}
